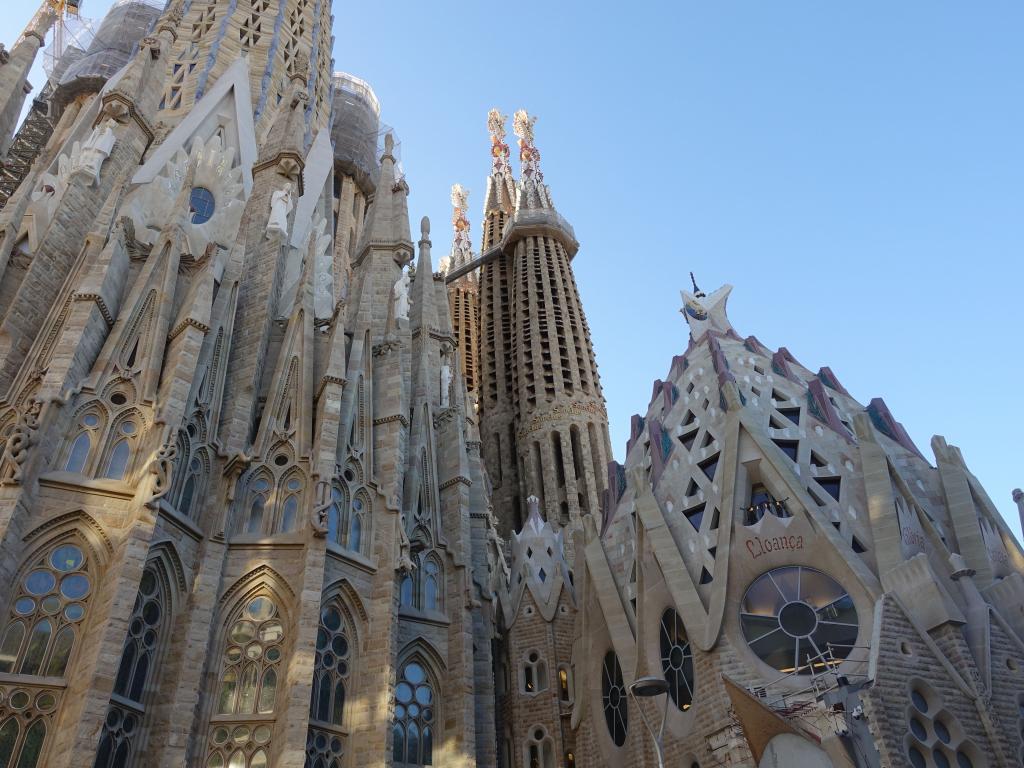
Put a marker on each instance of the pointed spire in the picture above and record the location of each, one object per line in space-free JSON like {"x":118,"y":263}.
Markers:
{"x":538,"y":563}
{"x":529,"y":155}
{"x":462,"y":246}
{"x":387,"y":221}
{"x":286,"y":145}
{"x":500,"y":195}
{"x":423,"y":313}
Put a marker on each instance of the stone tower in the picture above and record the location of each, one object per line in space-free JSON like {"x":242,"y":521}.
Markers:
{"x":464,"y":291}
{"x":534,"y":667}
{"x":74,"y":77}
{"x":543,"y":416}
{"x":242,"y":502}
{"x":14,"y":68}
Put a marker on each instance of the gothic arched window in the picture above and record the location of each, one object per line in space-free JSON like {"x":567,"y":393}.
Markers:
{"x":248,"y":685}
{"x":290,"y":507}
{"x":49,"y":603}
{"x":138,"y":660}
{"x":677,"y":659}
{"x":613,"y":698}
{"x":81,"y":444}
{"x":332,"y":663}
{"x":413,"y":728}
{"x":540,"y":749}
{"x":325,"y":742}
{"x":423,"y":589}
{"x":257,"y":502}
{"x":535,"y":673}
{"x":123,"y":437}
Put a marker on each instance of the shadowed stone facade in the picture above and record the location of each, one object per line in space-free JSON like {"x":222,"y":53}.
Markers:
{"x":274,"y":493}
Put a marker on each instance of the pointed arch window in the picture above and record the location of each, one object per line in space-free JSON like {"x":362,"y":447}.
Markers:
{"x":143,"y":643}
{"x":423,"y":588}
{"x":190,"y":470}
{"x":540,"y":749}
{"x":415,"y":717}
{"x":333,"y":662}
{"x":248,"y":685}
{"x":290,"y":508}
{"x":49,"y":603}
{"x":257,"y":502}
{"x":20,"y":747}
{"x":81,"y":445}
{"x":535,"y":673}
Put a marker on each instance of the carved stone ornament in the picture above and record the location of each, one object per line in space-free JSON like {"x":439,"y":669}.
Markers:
{"x":88,"y":158}
{"x":5,"y":55}
{"x":280,"y":207}
{"x":161,"y":467}
{"x":529,"y":155}
{"x":324,"y":499}
{"x":401,"y":296}
{"x":22,"y":438}
{"x":499,"y":149}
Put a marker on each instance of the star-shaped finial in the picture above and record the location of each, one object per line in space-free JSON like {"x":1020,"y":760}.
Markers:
{"x":704,"y":313}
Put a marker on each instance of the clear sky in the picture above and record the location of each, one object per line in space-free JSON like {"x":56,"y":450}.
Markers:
{"x":855,"y":170}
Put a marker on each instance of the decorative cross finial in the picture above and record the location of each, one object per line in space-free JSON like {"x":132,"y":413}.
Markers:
{"x":462,"y":248}
{"x":499,"y":149}
{"x":529,"y":155}
{"x":696,"y":290}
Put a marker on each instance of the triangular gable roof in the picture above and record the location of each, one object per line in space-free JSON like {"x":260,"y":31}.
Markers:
{"x":233,"y":85}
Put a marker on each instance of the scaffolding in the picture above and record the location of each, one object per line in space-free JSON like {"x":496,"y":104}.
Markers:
{"x":80,"y":59}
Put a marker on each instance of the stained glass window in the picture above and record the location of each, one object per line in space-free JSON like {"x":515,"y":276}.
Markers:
{"x":413,"y":728}
{"x":201,"y":205}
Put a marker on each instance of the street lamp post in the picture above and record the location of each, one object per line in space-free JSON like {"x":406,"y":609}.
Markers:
{"x":649,"y":687}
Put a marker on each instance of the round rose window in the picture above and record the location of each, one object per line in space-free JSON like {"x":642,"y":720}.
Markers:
{"x":798,"y":619}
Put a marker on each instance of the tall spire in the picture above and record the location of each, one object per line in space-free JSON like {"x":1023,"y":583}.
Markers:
{"x":462,"y":247}
{"x":529,"y":155}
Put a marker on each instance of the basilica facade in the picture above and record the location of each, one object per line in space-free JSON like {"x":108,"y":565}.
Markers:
{"x":277,"y":491}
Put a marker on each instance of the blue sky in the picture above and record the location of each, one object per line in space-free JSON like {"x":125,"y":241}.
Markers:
{"x":855,"y":170}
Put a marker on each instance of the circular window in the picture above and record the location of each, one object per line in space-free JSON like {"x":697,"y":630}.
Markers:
{"x":613,"y":697}
{"x":201,"y":205}
{"x":676,"y":660}
{"x":798,"y":619}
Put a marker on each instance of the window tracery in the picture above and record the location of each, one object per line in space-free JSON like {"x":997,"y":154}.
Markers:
{"x":613,"y":698}
{"x":325,"y":742}
{"x":413,"y":728}
{"x":271,"y":502}
{"x":247,"y":689}
{"x":540,"y":749}
{"x":677,"y":659}
{"x":423,"y":587}
{"x":49,"y":603}
{"x":143,"y":642}
{"x":349,"y":514}
{"x":798,"y":619}
{"x":535,"y":673}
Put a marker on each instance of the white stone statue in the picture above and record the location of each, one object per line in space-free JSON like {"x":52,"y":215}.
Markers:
{"x":446,"y":383}
{"x":280,"y":207}
{"x":401,"y":296}
{"x":88,"y":158}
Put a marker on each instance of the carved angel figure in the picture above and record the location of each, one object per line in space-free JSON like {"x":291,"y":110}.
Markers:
{"x":401,"y":296}
{"x":446,"y":384}
{"x":88,"y":158}
{"x":280,"y":207}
